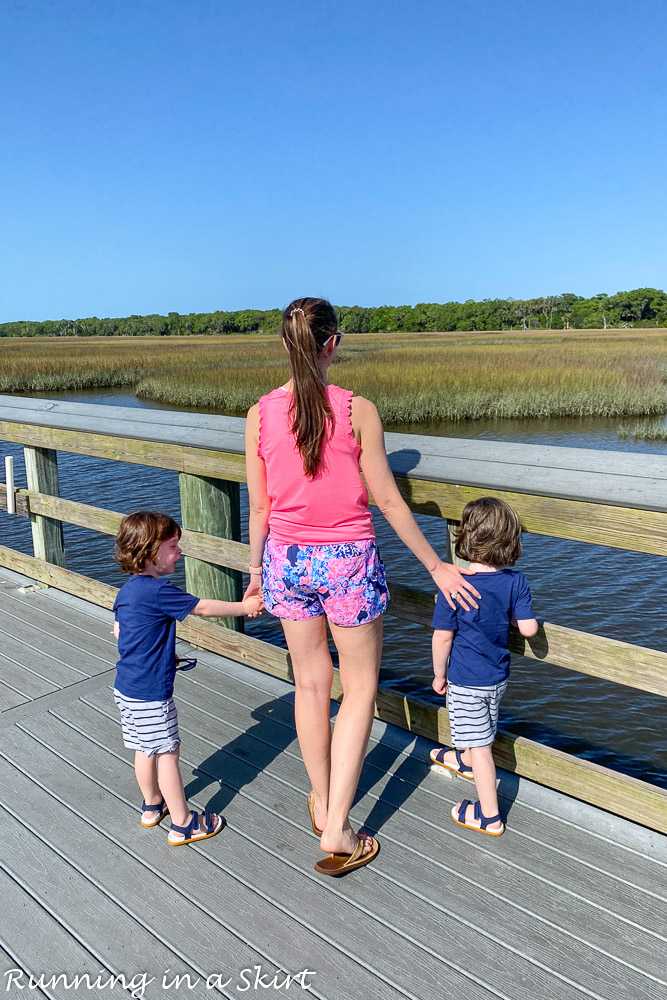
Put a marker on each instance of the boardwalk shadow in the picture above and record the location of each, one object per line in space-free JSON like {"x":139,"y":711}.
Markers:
{"x":401,"y":784}
{"x":236,"y":764}
{"x":402,"y":463}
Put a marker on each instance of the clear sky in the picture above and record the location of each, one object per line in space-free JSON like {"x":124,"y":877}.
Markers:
{"x":193,"y":155}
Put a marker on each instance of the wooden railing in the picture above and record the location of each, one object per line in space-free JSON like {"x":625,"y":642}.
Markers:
{"x":608,"y":498}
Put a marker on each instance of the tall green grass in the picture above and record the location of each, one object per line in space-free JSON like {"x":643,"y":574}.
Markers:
{"x":644,"y":430}
{"x":411,"y":378}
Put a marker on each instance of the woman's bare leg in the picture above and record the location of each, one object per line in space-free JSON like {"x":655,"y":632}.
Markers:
{"x":313,"y":676}
{"x":359,"y":653}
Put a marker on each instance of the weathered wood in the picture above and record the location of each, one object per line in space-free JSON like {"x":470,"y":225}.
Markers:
{"x":41,"y":467}
{"x":597,"y":656}
{"x":597,"y":523}
{"x":610,"y":659}
{"x":212,"y":507}
{"x":20,"y":501}
{"x":637,"y":481}
{"x":638,"y":800}
{"x":452,"y":528}
{"x":197,"y":461}
{"x":55,"y":576}
{"x":210,"y":548}
{"x":625,"y":511}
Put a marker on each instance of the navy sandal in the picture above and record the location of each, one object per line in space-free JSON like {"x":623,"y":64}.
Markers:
{"x":459,"y":816}
{"x":193,"y":831}
{"x":161,"y":808}
{"x":438,"y":757}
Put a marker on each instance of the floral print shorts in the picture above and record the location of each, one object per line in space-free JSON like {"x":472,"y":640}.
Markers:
{"x":345,"y":581}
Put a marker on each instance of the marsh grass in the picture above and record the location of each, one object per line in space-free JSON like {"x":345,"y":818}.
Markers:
{"x":411,"y":378}
{"x":644,"y":430}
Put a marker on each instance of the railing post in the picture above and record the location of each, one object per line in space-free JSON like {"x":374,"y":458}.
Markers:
{"x":41,"y":467}
{"x":212,"y":506}
{"x":451,"y":539}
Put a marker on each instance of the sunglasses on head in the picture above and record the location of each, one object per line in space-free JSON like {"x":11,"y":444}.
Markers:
{"x":338,"y":335}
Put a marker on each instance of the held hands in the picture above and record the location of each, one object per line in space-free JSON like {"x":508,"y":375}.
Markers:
{"x":252,"y":605}
{"x":451,"y":580}
{"x":252,"y":599}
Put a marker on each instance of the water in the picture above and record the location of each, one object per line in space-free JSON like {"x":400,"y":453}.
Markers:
{"x":592,"y":588}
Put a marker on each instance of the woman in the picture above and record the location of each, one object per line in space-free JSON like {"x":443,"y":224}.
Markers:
{"x":306,"y":443}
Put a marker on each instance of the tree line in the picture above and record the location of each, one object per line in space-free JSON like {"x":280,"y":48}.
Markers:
{"x":643,"y":307}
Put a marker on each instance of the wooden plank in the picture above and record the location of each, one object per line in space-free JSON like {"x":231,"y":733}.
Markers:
{"x":586,"y":474}
{"x":636,"y":530}
{"x":10,"y":698}
{"x":148,"y":937}
{"x":22,"y":680}
{"x":41,"y":467}
{"x":277,"y":766}
{"x":637,"y":800}
{"x":41,"y":944}
{"x":97,"y":647}
{"x":157,"y":454}
{"x":230,"y":863}
{"x":416,"y":837}
{"x":212,"y":507}
{"x":621,"y":662}
{"x":610,"y":659}
{"x":21,"y":503}
{"x":243,"y":704}
{"x":516,"y":468}
{"x":198,"y":545}
{"x":290,"y":867}
{"x":43,"y":664}
{"x":8,"y":962}
{"x":628,"y":519}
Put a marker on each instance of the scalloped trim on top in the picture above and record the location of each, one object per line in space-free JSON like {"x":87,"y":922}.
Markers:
{"x":259,"y":433}
{"x":346,"y":409}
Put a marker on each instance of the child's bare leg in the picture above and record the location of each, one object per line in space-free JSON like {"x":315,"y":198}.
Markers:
{"x":171,"y":786}
{"x":484,"y":773}
{"x":146,"y":774}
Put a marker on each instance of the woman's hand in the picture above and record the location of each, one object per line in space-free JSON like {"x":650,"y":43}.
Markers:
{"x":452,"y":582}
{"x":254,"y":589}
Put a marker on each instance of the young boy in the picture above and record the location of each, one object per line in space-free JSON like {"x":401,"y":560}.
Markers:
{"x":475,"y":643}
{"x":147,"y":608}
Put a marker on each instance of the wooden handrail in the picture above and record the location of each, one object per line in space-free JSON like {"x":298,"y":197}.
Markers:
{"x":566,"y":493}
{"x":624,"y":663}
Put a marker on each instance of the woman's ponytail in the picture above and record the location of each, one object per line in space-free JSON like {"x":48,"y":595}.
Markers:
{"x":307,"y":324}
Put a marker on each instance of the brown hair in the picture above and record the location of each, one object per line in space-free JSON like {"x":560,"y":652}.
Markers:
{"x":490,"y":532}
{"x":139,"y":537}
{"x":307,"y":324}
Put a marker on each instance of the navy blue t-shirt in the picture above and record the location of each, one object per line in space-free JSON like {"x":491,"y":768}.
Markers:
{"x":147,"y":609}
{"x":480,"y":657}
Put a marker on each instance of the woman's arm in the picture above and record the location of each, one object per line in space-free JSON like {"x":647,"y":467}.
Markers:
{"x":375,"y":467}
{"x":260,"y":504}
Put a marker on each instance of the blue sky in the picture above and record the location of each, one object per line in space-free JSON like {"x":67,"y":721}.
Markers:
{"x":193,"y":155}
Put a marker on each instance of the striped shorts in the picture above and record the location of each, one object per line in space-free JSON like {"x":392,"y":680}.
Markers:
{"x":473,"y":714}
{"x":149,"y":726}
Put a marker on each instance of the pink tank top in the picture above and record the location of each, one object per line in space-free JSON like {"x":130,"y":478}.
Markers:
{"x":332,"y":507}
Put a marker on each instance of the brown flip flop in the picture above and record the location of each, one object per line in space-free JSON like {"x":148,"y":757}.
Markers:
{"x":340,"y":864}
{"x":311,"y":810}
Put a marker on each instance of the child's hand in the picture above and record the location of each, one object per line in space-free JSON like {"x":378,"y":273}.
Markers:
{"x":439,"y":685}
{"x":252,"y":605}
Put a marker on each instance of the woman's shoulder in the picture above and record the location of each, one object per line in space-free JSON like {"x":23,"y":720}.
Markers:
{"x":363,"y":409}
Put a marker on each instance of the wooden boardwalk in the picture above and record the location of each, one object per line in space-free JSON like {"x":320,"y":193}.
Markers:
{"x":570,"y":903}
